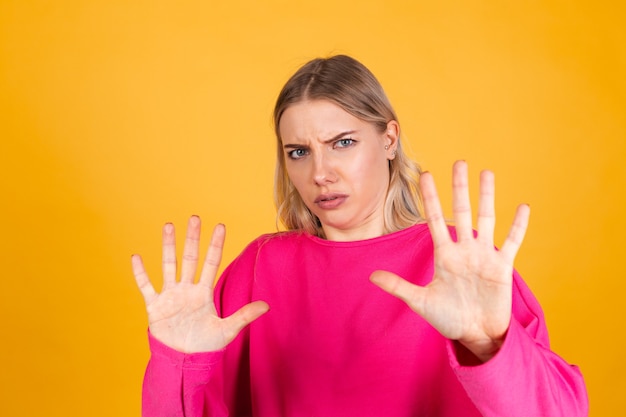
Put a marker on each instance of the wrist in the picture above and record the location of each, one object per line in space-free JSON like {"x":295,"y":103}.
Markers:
{"x":477,"y":352}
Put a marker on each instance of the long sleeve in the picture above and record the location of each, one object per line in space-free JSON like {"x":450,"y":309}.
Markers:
{"x":175,"y":383}
{"x":363,"y":353}
{"x":525,"y":378}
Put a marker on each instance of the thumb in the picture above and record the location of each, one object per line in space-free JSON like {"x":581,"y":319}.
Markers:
{"x":413,"y":295}
{"x":242,"y":317}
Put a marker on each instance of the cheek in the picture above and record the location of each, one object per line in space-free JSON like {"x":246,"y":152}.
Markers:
{"x":372,"y":168}
{"x":296,"y":174}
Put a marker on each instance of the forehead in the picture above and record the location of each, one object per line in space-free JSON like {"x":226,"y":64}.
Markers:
{"x":317,"y":119}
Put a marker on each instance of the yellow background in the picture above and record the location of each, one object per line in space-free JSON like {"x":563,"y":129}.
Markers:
{"x":119,"y":115}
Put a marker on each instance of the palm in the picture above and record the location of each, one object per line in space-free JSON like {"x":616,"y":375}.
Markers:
{"x":183,"y":311}
{"x":183,"y":315}
{"x":469,"y":298}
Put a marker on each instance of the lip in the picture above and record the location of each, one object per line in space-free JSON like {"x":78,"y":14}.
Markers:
{"x":330,"y":201}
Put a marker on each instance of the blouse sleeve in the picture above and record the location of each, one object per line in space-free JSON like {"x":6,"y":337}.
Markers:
{"x":525,"y":378}
{"x":175,"y":383}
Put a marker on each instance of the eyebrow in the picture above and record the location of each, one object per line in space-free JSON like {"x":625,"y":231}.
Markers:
{"x":334,"y":138}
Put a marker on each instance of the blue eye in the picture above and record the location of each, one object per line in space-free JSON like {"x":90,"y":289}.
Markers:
{"x":297,"y":153}
{"x":344,"y":143}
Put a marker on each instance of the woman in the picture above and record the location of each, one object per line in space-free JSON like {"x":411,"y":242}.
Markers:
{"x":472,"y":342}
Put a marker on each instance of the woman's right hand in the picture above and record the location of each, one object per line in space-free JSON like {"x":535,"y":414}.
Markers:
{"x":183,"y":314}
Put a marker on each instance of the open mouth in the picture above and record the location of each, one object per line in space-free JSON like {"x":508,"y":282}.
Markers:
{"x":330,"y":200}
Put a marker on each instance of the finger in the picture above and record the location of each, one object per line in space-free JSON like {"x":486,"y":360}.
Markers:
{"x":213,"y":256}
{"x":486,"y":221}
{"x":413,"y":295}
{"x":169,"y":255}
{"x":516,"y":233}
{"x":142,"y":279}
{"x":461,"y":206}
{"x":191,"y":250}
{"x":432,"y":210}
{"x":236,"y":322}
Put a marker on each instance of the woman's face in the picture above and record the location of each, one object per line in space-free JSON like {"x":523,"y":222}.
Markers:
{"x":340,"y":167}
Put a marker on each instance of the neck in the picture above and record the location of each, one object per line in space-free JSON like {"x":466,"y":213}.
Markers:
{"x":364,"y":231}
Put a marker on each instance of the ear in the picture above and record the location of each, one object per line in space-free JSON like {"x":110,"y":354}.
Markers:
{"x":391,"y":138}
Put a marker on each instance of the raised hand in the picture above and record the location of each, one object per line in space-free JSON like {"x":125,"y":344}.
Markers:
{"x":470,"y":296}
{"x":183,"y":315}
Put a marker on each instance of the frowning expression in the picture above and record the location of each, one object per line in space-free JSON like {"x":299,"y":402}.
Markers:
{"x":340,"y":166}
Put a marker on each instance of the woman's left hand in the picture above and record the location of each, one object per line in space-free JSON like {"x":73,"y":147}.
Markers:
{"x":469,"y":298}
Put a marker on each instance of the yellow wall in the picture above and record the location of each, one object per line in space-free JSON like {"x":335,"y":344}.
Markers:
{"x":119,"y":115}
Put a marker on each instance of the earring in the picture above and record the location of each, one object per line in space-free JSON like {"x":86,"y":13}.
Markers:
{"x":386,"y":147}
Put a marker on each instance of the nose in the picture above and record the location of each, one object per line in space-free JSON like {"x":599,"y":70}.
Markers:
{"x":322,"y":171}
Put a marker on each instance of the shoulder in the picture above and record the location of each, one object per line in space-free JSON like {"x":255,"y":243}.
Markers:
{"x":270,"y":244}
{"x":236,"y":284}
{"x":276,"y":241}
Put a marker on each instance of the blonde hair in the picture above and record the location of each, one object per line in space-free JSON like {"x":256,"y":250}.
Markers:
{"x":350,"y":85}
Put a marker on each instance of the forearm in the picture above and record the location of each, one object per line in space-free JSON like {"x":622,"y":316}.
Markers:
{"x":175,"y":383}
{"x":523,"y":379}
